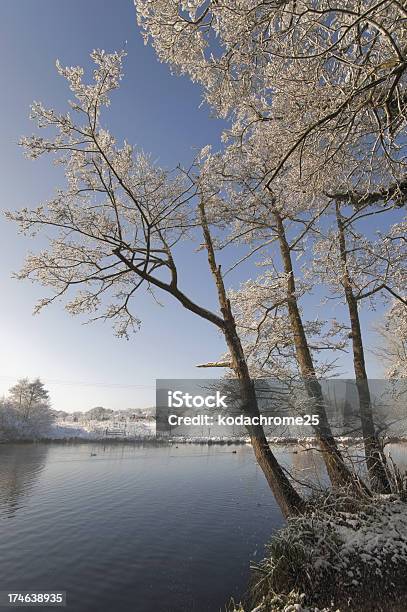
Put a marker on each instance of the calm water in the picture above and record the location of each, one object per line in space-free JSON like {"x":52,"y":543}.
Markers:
{"x":136,"y":528}
{"x":132,"y":528}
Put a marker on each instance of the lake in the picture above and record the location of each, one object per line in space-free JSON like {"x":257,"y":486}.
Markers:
{"x":132,"y":528}
{"x":124,"y":528}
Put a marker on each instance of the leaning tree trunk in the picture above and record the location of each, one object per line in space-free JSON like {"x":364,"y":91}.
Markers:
{"x":338,"y":472}
{"x":375,"y":459}
{"x":285,"y":494}
{"x":287,"y":497}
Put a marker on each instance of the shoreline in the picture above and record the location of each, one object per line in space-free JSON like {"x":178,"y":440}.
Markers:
{"x":157,"y":441}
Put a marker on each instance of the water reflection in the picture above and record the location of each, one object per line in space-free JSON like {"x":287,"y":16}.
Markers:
{"x":20,"y":468}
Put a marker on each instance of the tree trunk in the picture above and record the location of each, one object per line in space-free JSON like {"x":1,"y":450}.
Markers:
{"x":287,"y":497}
{"x":285,"y":494}
{"x":338,"y":472}
{"x":375,"y":458}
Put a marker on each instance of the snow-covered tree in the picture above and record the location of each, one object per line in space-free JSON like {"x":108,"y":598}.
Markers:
{"x":115,"y":228}
{"x":360,"y":270}
{"x":277,"y":223}
{"x":10,"y":423}
{"x":312,"y":78}
{"x":392,"y":349}
{"x":25,"y":412}
{"x":26,"y":395}
{"x":316,"y":98}
{"x":99,"y":414}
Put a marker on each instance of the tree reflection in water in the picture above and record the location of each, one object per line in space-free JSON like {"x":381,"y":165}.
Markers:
{"x":20,"y":468}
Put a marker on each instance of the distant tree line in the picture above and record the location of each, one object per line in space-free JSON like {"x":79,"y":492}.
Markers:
{"x":100,"y":413}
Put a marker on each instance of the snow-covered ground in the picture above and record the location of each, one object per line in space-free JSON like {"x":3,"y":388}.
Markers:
{"x":99,"y":430}
{"x":145,"y":429}
{"x":344,"y":559}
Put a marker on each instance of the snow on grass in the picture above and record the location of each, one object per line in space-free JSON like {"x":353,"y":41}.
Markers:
{"x":342,"y":554}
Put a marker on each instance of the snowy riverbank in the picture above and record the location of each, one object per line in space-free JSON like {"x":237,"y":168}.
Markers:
{"x":342,"y":555}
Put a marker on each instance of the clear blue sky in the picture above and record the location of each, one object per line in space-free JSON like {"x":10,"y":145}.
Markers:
{"x":85,"y":365}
